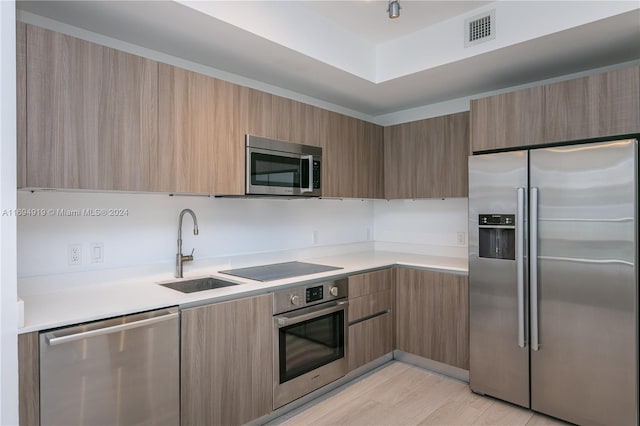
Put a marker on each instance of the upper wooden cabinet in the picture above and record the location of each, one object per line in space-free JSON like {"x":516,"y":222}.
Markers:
{"x":201,"y":133}
{"x":596,"y":106}
{"x":353,"y":158}
{"x":91,"y":115}
{"x":507,"y":120}
{"x":21,"y":103}
{"x":601,"y":105}
{"x":427,"y":158}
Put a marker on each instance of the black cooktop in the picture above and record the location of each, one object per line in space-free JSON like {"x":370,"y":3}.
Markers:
{"x":279,"y":271}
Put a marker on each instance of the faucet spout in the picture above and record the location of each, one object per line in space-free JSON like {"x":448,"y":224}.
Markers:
{"x":180,"y":259}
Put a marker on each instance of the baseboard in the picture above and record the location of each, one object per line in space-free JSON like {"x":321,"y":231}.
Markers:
{"x":431,"y":365}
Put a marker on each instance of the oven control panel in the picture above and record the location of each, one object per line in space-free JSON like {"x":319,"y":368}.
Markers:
{"x":314,"y":293}
{"x":309,"y":295}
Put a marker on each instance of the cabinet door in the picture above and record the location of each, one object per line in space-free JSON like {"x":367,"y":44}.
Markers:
{"x":91,"y":115}
{"x":601,"y":105}
{"x":369,"y":340}
{"x":29,"y":379}
{"x":21,"y":103}
{"x":399,"y":161}
{"x":201,"y":137}
{"x":369,"y":164}
{"x":370,"y":316}
{"x":427,"y":158}
{"x":339,"y":154}
{"x":442,"y":156}
{"x":227,"y":362}
{"x":370,"y":282}
{"x":508,"y":120}
{"x":432,"y":315}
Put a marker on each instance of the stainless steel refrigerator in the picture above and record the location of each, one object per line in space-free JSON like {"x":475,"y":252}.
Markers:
{"x":553,"y":280}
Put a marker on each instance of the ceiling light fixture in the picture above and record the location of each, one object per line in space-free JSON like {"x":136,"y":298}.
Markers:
{"x":394,"y":9}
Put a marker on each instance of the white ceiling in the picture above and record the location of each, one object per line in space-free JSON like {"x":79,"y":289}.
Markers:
{"x":350,"y":54}
{"x":369,"y":19}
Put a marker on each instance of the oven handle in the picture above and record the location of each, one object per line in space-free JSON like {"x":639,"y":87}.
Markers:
{"x":309,"y":158}
{"x":284,"y":321}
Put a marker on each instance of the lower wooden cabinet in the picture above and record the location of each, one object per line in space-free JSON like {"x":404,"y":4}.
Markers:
{"x":432,"y":315}
{"x":227,"y":362}
{"x":370,"y":339}
{"x":29,"y":379}
{"x":370,"y":317}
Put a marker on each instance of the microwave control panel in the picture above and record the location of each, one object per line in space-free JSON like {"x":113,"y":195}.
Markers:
{"x":316,"y":174}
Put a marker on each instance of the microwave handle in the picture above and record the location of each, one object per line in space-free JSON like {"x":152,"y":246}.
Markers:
{"x":309,"y":158}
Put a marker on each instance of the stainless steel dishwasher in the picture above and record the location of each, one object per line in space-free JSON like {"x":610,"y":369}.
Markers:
{"x":120,"y":371}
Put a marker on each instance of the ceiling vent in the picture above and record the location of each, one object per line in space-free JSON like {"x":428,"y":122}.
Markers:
{"x":480,"y":28}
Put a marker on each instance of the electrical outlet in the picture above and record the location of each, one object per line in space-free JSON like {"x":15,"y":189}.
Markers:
{"x":314,"y":237}
{"x":74,"y":253}
{"x":460,"y":238}
{"x":368,"y":233}
{"x":97,"y":252}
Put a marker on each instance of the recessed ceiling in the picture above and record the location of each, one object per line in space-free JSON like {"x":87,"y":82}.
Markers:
{"x":351,"y":55}
{"x":369,"y":19}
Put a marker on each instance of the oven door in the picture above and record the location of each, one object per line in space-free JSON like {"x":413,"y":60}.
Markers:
{"x":310,"y":350}
{"x":281,"y":173}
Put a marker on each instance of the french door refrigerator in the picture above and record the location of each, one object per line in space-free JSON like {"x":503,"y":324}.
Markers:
{"x":553,"y":280}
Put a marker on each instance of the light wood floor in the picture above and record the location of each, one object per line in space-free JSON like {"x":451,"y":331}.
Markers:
{"x":401,"y":394}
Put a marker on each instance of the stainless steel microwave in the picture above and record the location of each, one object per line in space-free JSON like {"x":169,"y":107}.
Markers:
{"x":282,"y":168}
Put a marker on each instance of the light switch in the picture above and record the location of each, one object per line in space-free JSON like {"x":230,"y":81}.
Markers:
{"x":97,"y":252}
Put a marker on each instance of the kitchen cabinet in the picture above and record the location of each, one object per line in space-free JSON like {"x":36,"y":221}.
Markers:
{"x":427,"y":158}
{"x":102,"y":119}
{"x":21,"y":103}
{"x":29,"y":379}
{"x":201,"y":139}
{"x":600,"y":105}
{"x":432,"y":315}
{"x":400,"y":165}
{"x":370,"y":317}
{"x":369,"y":179}
{"x":91,"y":115}
{"x":508,"y":120}
{"x":227,"y":362}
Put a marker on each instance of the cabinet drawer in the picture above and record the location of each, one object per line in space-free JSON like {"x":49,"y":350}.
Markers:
{"x":369,"y":340}
{"x":370,"y":304}
{"x":371,"y":282}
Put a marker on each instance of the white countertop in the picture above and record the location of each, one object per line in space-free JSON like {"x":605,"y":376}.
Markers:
{"x":79,"y":304}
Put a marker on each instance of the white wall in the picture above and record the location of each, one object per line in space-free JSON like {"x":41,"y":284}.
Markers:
{"x":148,"y":233}
{"x":8,"y":290}
{"x":434,"y":226}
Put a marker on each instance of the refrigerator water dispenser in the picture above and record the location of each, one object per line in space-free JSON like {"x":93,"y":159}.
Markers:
{"x":497,"y":236}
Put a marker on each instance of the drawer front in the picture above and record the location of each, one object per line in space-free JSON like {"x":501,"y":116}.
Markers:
{"x":369,"y":340}
{"x":371,"y":304}
{"x":370,"y":282}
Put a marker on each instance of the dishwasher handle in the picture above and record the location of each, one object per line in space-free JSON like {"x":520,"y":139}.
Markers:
{"x":52,"y":340}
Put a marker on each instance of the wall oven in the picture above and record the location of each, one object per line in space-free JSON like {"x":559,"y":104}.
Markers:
{"x":282,"y":168}
{"x":310,"y":339}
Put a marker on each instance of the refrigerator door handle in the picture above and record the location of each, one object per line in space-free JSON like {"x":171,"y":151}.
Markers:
{"x":520,"y":265}
{"x":533,"y":275}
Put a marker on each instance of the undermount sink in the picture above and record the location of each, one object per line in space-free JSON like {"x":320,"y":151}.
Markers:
{"x":198,"y":284}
